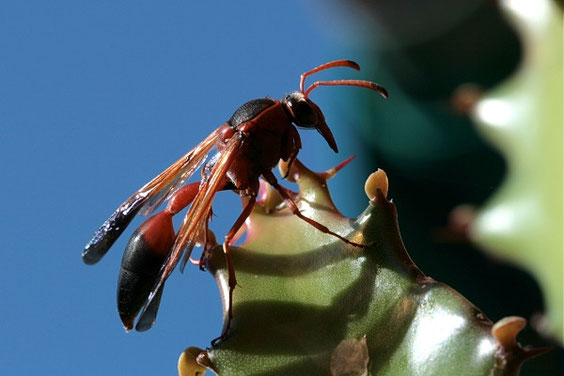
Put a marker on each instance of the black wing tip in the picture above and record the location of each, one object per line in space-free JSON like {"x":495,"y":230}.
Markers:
{"x":148,"y":316}
{"x":143,"y":326}
{"x":145,"y":321}
{"x":89,"y":257}
{"x":96,"y":249}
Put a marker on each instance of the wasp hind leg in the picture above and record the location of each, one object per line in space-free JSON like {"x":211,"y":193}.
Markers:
{"x":232,"y":282}
{"x":271,"y":179}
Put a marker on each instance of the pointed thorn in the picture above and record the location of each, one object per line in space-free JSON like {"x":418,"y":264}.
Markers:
{"x":283,"y":167}
{"x":333,"y":171}
{"x":204,"y":360}
{"x":529,"y":353}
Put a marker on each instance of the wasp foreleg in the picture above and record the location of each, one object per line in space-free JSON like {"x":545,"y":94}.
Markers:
{"x":271,"y":179}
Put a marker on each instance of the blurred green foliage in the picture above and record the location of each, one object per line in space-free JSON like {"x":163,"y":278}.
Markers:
{"x":522,"y":117}
{"x":424,"y":53}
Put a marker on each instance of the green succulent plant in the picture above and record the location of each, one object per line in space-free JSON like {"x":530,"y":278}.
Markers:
{"x":522,"y":117}
{"x":309,"y":304}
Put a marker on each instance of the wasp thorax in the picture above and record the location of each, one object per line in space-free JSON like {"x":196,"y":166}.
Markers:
{"x":301,"y":110}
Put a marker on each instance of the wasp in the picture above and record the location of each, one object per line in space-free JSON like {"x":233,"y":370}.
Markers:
{"x":249,"y":145}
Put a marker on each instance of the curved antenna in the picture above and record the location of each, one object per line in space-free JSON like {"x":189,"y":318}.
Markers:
{"x":361,"y":83}
{"x":331,"y":64}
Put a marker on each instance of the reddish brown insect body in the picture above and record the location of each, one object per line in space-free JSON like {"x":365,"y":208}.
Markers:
{"x":258,"y":135}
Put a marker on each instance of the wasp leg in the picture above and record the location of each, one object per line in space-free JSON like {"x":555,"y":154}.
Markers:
{"x":232,"y":279}
{"x":294,"y":144}
{"x":271,"y":179}
{"x":209,"y":242}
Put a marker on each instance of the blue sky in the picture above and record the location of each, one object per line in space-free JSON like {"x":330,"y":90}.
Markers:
{"x":97,"y":97}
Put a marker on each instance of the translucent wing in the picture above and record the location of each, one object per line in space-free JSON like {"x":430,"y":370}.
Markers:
{"x":149,"y":316}
{"x":195,"y":220}
{"x":150,"y":196}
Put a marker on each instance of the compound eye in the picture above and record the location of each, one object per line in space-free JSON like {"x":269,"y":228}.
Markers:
{"x":304,"y":114}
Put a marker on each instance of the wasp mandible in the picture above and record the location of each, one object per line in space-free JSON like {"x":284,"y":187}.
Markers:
{"x":258,"y":135}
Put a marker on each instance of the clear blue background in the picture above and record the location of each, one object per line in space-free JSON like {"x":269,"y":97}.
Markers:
{"x":97,"y":97}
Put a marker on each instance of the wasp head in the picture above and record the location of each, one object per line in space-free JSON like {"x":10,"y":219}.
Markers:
{"x":306,"y":114}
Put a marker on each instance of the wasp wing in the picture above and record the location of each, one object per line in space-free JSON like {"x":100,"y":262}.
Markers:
{"x":150,"y":196}
{"x":149,"y":316}
{"x":195,"y":220}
